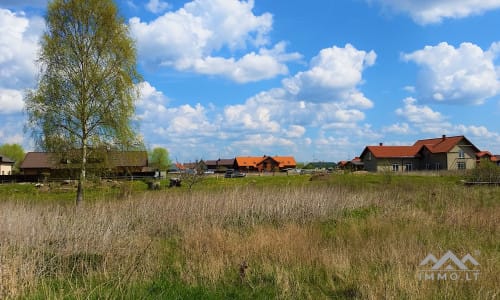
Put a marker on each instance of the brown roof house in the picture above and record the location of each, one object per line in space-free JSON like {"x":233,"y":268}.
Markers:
{"x":444,"y":153}
{"x":6,"y":165}
{"x":221,"y":164}
{"x":116,"y":163}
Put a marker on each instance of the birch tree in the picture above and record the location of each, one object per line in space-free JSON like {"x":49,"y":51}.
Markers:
{"x":86,"y":88}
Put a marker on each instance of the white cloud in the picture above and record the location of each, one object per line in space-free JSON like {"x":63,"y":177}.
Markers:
{"x":418,"y":113}
{"x":398,"y":128}
{"x":157,"y":6}
{"x":18,"y":48}
{"x":334,"y":75}
{"x":456,"y":75}
{"x":11,"y":101}
{"x":434,"y":11}
{"x":195,"y":37}
{"x":295,"y":131}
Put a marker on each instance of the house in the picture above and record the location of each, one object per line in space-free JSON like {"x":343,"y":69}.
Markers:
{"x":117,"y":163}
{"x":354,"y":164}
{"x":444,"y":153}
{"x":264,"y":163}
{"x":6,"y":165}
{"x":221,"y":164}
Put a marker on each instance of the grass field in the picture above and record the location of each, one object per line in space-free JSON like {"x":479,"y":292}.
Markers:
{"x":301,"y":237}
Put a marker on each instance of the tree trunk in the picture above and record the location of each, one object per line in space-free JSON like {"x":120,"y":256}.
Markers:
{"x":81,"y":181}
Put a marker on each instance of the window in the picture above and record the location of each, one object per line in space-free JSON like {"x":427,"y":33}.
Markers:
{"x":461,"y":165}
{"x":408,"y":167}
{"x":369,"y":156}
{"x":395,"y":167}
{"x":461,"y":154}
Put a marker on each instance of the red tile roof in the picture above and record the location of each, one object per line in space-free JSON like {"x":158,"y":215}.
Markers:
{"x":393,"y":151}
{"x":253,"y":161}
{"x":443,"y":144}
{"x":249,"y":161}
{"x":285,"y":161}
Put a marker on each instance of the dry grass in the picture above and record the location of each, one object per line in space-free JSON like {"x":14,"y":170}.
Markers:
{"x":312,"y":241}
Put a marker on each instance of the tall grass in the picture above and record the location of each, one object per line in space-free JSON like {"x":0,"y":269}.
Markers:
{"x":327,"y":239}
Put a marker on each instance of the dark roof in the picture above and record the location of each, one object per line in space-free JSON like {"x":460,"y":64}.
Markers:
{"x":44,"y":160}
{"x":38,"y":160}
{"x":226,"y":161}
{"x":6,"y":160}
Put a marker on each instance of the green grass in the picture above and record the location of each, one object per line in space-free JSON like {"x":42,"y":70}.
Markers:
{"x":344,"y":236}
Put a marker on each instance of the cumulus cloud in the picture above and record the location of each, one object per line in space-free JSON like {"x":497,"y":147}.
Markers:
{"x":11,"y":101}
{"x":157,"y":6}
{"x":466,"y":74}
{"x":418,"y":113}
{"x":325,"y":93}
{"x":193,"y":38}
{"x":334,"y":75}
{"x":18,"y":48}
{"x":434,"y":11}
{"x":398,"y":128}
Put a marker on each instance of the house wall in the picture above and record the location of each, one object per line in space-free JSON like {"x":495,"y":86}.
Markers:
{"x":373,"y":164}
{"x":469,"y":157}
{"x":5,"y":169}
{"x":369,"y":161}
{"x":387,"y":164}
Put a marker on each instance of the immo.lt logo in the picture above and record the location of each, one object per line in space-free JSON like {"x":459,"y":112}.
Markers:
{"x":448,"y":267}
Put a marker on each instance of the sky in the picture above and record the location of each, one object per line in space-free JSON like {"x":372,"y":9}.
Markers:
{"x":318,"y":80}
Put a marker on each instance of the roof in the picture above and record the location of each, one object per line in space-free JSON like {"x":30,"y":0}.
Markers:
{"x":392,"y":151}
{"x":484,"y":153}
{"x":253,"y":161}
{"x":285,"y":161}
{"x":443,"y":144}
{"x":45,"y":160}
{"x":38,"y":160}
{"x":6,"y":160}
{"x":437,"y":145}
{"x":249,"y":161}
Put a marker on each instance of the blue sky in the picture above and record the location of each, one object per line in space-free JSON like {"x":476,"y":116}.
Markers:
{"x":318,"y":80}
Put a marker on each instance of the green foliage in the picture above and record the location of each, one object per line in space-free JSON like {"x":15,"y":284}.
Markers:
{"x":14,"y":152}
{"x":485,"y":171}
{"x":87,"y":88}
{"x":159,"y":159}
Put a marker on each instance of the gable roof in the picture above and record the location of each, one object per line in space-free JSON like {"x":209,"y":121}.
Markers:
{"x":285,"y":161}
{"x":392,"y":151}
{"x":6,"y":160}
{"x":443,"y":144}
{"x":38,"y":160}
{"x":254,"y":161}
{"x":46,"y":160}
{"x":249,"y":161}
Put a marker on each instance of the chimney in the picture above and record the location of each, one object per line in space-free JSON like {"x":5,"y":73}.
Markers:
{"x":380,"y":144}
{"x":443,"y":137}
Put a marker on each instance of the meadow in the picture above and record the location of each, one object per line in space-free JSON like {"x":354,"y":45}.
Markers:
{"x":341,"y":236}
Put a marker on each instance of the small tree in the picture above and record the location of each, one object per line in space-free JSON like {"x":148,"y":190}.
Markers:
{"x":14,"y":152}
{"x":159,"y":159}
{"x":193,"y":176}
{"x":87,"y":86}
